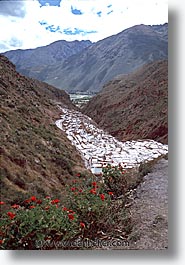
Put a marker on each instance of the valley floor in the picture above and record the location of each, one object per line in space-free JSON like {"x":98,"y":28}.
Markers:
{"x":99,"y":148}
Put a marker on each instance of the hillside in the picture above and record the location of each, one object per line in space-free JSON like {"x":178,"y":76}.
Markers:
{"x":36,"y":157}
{"x":31,"y":62}
{"x":134,"y":106}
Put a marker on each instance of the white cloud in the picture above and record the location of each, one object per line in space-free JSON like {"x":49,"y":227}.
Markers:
{"x":27,"y":32}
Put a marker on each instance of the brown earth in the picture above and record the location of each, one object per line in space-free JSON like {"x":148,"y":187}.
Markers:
{"x":149,"y":210}
{"x":36,"y":157}
{"x":134,"y":106}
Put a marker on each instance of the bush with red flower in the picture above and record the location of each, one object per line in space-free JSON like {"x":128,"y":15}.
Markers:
{"x":115,"y":179}
{"x":23,"y":227}
{"x":87,"y":208}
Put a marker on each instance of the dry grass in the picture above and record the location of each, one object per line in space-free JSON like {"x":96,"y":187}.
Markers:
{"x":36,"y":157}
{"x":134,"y":106}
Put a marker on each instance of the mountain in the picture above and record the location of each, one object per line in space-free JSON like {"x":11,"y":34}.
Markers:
{"x":36,"y":157}
{"x":89,"y":69}
{"x":30,"y":62}
{"x":134,"y":106}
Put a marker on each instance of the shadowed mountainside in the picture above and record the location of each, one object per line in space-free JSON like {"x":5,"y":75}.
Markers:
{"x":134,"y":106}
{"x":90,"y":69}
{"x":32,"y":62}
{"x":123,"y":53}
{"x":36,"y":157}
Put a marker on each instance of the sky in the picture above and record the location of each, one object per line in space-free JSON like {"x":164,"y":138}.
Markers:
{"x":28,"y":24}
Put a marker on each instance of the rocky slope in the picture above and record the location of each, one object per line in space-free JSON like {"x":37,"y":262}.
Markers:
{"x":134,"y":106}
{"x":90,"y":69}
{"x":32,"y":62}
{"x":36,"y":157}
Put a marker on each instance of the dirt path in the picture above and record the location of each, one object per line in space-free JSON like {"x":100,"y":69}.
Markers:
{"x":150,"y":210}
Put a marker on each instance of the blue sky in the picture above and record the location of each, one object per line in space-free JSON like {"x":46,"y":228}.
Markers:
{"x":32,"y":23}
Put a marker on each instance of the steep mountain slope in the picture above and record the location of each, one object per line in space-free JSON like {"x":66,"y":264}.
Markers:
{"x":79,"y":66}
{"x":30,"y":62}
{"x":118,"y":54}
{"x":134,"y":106}
{"x":36,"y":157}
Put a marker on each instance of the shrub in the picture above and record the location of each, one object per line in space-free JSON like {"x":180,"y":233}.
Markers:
{"x":87,"y":210}
{"x":23,"y":227}
{"x":92,"y":204}
{"x":115,"y":179}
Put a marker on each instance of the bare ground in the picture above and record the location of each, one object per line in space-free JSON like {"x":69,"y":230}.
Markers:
{"x":149,"y":210}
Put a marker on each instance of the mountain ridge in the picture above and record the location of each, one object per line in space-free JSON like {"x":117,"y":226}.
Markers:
{"x":98,"y":63}
{"x":30,"y":61}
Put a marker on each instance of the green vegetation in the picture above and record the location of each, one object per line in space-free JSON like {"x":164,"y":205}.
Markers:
{"x":91,"y":208}
{"x":87,"y":211}
{"x":80,"y":100}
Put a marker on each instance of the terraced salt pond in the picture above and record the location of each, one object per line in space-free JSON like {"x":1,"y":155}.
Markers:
{"x":99,"y":148}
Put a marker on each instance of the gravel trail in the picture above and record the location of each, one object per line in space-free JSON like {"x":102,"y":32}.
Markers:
{"x":150,"y":210}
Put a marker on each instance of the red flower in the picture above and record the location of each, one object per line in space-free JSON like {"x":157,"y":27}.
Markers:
{"x":39,"y":201}
{"x":11,"y":215}
{"x":71,"y":216}
{"x":1,"y":203}
{"x":111,"y":193}
{"x":93,"y":191}
{"x":1,"y":241}
{"x":78,"y":174}
{"x":48,"y":197}
{"x":27,"y":201}
{"x":74,"y":181}
{"x":55,"y":201}
{"x":71,"y":211}
{"x":73,"y":189}
{"x":82,"y":225}
{"x":102,"y":196}
{"x":47,"y":208}
{"x":64,"y":209}
{"x":80,"y":190}
{"x":33,"y":198}
{"x":32,"y":207}
{"x":15,"y":206}
{"x":94,"y":184}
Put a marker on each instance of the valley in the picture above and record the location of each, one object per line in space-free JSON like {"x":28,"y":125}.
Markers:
{"x":98,"y":148}
{"x":80,"y":100}
{"x":77,"y":148}
{"x":82,"y":66}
